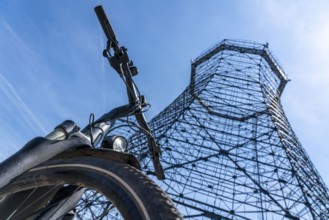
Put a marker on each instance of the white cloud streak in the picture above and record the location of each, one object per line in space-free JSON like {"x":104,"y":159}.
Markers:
{"x":27,"y":114}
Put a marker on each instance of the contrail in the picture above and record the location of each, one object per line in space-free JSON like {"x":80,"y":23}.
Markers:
{"x":27,"y":114}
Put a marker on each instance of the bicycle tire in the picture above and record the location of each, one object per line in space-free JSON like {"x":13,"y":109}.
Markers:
{"x":132,"y":193}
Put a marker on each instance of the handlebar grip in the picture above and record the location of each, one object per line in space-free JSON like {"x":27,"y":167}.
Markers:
{"x":105,"y":23}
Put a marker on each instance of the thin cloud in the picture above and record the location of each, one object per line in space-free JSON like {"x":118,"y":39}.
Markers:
{"x":26,"y":113}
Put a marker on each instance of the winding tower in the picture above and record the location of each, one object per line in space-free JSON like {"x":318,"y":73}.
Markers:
{"x":229,"y":151}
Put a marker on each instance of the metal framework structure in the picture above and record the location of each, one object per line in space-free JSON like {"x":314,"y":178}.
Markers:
{"x":229,"y":151}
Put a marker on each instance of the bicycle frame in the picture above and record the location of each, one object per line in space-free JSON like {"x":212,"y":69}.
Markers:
{"x":68,"y":141}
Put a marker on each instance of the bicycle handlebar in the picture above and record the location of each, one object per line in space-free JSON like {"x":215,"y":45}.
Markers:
{"x":120,"y":61}
{"x":105,"y":23}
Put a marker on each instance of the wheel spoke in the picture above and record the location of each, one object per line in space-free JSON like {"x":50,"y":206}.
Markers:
{"x":15,"y":213}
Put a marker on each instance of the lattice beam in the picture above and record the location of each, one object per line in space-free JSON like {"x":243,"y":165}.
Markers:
{"x":229,"y":151}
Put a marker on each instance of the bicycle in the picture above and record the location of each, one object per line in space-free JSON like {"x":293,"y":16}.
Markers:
{"x":86,"y":174}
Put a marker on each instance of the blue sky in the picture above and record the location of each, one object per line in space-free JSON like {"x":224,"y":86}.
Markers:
{"x":51,"y":67}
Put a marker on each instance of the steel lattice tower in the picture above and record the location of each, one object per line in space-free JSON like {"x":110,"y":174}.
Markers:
{"x":229,"y":151}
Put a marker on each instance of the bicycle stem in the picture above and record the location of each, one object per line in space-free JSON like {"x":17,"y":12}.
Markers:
{"x":98,"y":129}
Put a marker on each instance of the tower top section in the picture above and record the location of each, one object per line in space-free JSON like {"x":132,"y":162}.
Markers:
{"x":244,"y":47}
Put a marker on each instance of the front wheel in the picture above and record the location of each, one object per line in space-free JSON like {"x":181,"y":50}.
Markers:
{"x":98,"y":188}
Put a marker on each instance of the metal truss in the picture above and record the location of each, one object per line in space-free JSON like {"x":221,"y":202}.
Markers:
{"x":229,"y":151}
